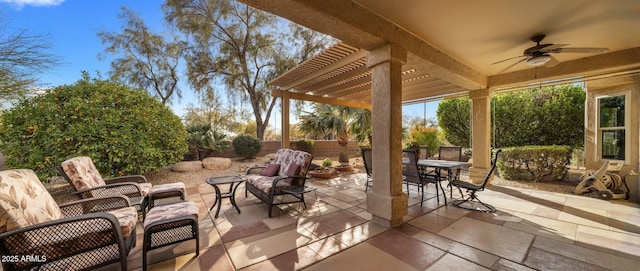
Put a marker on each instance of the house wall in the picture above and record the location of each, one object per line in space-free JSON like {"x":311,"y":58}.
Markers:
{"x":611,"y":86}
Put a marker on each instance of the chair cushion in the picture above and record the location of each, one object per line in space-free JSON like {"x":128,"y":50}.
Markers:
{"x":159,"y":188}
{"x":168,"y":211}
{"x":82,"y":173}
{"x":127,"y":218}
{"x":24,"y":201}
{"x":271,"y":170}
{"x":264,"y":183}
{"x":145,"y":188}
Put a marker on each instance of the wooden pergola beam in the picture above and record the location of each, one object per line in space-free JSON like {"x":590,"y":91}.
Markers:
{"x":318,"y":99}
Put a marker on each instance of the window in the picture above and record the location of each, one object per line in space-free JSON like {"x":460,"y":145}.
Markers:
{"x":612,"y":127}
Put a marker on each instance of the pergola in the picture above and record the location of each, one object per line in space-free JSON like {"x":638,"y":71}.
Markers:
{"x":396,"y":52}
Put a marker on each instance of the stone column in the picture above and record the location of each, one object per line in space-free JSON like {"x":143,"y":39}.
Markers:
{"x":285,"y":119}
{"x":480,"y":134}
{"x":385,"y":200}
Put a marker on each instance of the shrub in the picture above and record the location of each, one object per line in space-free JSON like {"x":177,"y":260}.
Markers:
{"x":247,"y":146}
{"x":124,"y":131}
{"x":535,"y":163}
{"x":426,"y":136}
{"x":304,"y":145}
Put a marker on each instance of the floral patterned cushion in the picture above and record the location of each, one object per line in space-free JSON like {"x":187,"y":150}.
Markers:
{"x":265,"y":183}
{"x":168,"y":211}
{"x":146,"y":188}
{"x":24,"y":201}
{"x":82,"y":173}
{"x":165,"y":187}
{"x":127,"y":217}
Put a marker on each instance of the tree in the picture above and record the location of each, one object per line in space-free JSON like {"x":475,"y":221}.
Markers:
{"x":239,"y":45}
{"x":540,"y":116}
{"x":147,"y":60}
{"x":125,"y":130}
{"x":22,"y":56}
{"x":454,"y":119}
{"x":330,"y":119}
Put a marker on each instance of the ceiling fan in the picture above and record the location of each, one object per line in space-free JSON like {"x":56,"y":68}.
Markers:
{"x":539,"y":55}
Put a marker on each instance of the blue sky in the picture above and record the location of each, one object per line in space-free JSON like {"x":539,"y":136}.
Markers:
{"x":73,"y":26}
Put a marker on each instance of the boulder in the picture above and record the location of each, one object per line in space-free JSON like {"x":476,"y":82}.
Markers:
{"x":216,"y":163}
{"x":187,"y":166}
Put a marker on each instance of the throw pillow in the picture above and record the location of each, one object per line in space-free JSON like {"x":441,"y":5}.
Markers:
{"x":271,"y":170}
{"x":294,"y":170}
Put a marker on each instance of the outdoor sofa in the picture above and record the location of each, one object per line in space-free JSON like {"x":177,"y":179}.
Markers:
{"x":287,"y":172}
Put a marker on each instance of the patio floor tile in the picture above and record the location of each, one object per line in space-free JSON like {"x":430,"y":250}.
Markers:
{"x":501,"y":241}
{"x":530,"y":230}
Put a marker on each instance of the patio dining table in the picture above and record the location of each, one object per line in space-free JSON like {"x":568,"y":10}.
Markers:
{"x":440,"y":165}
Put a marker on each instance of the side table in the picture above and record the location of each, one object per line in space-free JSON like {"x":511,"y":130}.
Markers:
{"x":233,"y":182}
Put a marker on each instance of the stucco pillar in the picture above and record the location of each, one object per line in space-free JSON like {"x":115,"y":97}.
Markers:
{"x":385,"y":200}
{"x":480,"y":134}
{"x":285,"y":119}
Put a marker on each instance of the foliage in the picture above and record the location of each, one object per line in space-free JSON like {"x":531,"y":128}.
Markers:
{"x":247,"y":146}
{"x":454,"y":119}
{"x":202,"y":138}
{"x":22,"y":55}
{"x":536,"y":163}
{"x":327,"y":120}
{"x":305,"y":145}
{"x":426,"y":136}
{"x":327,"y":162}
{"x":147,"y":60}
{"x":124,"y":131}
{"x":242,"y":47}
{"x":547,"y":116}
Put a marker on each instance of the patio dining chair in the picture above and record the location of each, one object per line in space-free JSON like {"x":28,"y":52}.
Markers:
{"x":471,"y":201}
{"x":80,"y":235}
{"x":424,"y":152}
{"x":367,"y":158}
{"x":450,"y":153}
{"x":414,"y":176}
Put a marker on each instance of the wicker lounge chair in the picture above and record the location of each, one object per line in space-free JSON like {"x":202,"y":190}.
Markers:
{"x":36,"y":233}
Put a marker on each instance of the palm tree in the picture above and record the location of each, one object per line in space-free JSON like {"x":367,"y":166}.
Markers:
{"x":327,"y":120}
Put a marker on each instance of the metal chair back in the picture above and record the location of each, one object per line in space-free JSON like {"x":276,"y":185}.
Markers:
{"x":450,"y":153}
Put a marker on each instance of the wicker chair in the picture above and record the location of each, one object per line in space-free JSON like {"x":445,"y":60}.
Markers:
{"x":289,"y":170}
{"x":36,"y":233}
{"x":83,"y":176}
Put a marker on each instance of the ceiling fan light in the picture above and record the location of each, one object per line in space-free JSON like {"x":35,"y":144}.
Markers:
{"x":538,"y":60}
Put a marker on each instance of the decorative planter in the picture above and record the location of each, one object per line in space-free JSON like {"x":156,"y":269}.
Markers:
{"x":323,"y":174}
{"x":344,"y":168}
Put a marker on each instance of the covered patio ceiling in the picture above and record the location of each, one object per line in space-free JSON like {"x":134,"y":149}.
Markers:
{"x":451,"y":46}
{"x":339,"y":76}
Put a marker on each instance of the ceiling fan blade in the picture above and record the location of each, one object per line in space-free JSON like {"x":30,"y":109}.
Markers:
{"x":552,"y":47}
{"x":552,"y":62}
{"x":506,"y":59}
{"x":510,"y":66}
{"x":587,"y":50}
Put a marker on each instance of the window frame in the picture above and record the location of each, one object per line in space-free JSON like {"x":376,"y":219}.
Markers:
{"x":627,"y":114}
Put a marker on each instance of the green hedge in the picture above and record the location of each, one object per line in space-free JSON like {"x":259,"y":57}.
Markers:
{"x":125,"y":131}
{"x":304,"y":145}
{"x":247,"y":146}
{"x":534,"y":163}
